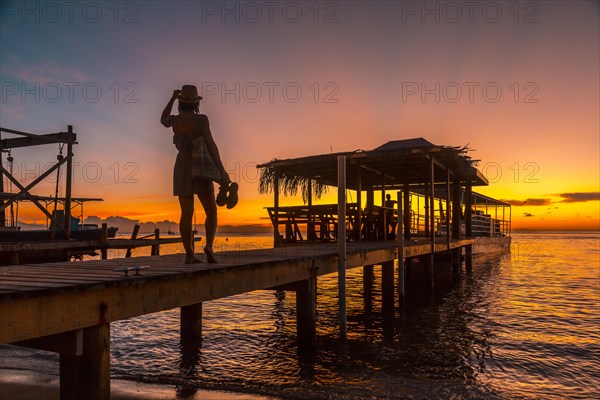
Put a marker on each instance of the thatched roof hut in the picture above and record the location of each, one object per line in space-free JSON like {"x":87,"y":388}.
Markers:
{"x":392,"y":165}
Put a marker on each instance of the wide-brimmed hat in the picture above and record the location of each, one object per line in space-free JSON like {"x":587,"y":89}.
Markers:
{"x":189,"y":94}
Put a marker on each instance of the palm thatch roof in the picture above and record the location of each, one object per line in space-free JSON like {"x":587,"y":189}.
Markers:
{"x":393,"y":164}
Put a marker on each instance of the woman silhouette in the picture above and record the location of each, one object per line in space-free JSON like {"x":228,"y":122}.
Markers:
{"x":190,"y":128}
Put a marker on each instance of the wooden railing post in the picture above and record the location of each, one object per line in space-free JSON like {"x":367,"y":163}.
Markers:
{"x":134,"y":234}
{"x":104,"y":242}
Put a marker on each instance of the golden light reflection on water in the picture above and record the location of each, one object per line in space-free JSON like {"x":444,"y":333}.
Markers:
{"x":523,"y":325}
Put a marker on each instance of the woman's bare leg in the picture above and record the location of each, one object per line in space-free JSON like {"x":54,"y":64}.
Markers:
{"x":210,"y":225}
{"x":185,"y":227}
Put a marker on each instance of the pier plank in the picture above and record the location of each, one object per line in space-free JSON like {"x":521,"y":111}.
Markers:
{"x":44,"y":299}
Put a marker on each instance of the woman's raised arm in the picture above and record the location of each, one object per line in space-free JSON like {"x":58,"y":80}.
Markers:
{"x":164,"y":118}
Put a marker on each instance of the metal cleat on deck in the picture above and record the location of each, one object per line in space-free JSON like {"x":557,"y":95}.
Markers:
{"x":126,"y":270}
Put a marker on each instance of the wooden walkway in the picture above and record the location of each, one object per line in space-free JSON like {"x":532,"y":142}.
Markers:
{"x":67,"y":307}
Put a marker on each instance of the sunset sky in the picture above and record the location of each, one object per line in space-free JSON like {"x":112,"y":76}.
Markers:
{"x":517,"y":81}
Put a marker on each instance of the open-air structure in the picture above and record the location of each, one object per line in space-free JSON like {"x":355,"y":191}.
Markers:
{"x":436,"y":183}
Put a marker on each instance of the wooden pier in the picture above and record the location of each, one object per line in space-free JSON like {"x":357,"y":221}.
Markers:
{"x":68,"y":307}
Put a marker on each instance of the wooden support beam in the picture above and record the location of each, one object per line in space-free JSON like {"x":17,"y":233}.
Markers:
{"x":400,"y":239}
{"x":456,"y":209}
{"x":432,"y":201}
{"x":69,"y":184}
{"x":24,"y":191}
{"x":34,"y":139}
{"x":373,"y":170}
{"x":156,"y":247}
{"x":276,"y":236}
{"x":368,"y":287}
{"x":469,"y":258}
{"x":88,"y":376}
{"x":103,"y":240}
{"x":387,"y":284}
{"x":448,"y":211}
{"x":429,"y":271}
{"x":384,"y":214}
{"x":68,"y":343}
{"x":2,"y":208}
{"x":136,"y":230}
{"x":358,"y":224}
{"x":468,"y":211}
{"x":190,"y":323}
{"x":455,"y":255}
{"x":306,"y":312}
{"x":406,"y":214}
{"x":310,"y":224}
{"x":426,"y":194}
{"x":342,"y":244}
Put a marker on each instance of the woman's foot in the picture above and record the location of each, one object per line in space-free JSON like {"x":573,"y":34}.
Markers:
{"x":192,"y":259}
{"x":210,"y":256}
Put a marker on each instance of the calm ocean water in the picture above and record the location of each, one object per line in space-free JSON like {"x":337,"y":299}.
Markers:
{"x":524,"y":325}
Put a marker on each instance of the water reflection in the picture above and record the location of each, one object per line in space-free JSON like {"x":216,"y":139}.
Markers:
{"x":190,"y":354}
{"x":523,"y":325}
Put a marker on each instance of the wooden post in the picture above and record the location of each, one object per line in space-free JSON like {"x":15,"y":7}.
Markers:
{"x":155,"y":250}
{"x":426,"y":205}
{"x":432,"y":202}
{"x":469,"y":258}
{"x":468,"y":211}
{"x":384,"y":216}
{"x":430,"y":270}
{"x":387,"y":286}
{"x":306,"y":312}
{"x":368,"y":287}
{"x":456,"y":208}
{"x":400,"y":249}
{"x":276,"y":237}
{"x":104,"y":241}
{"x":134,"y":234}
{"x":358,"y":225}
{"x":509,"y":220}
{"x":190,"y":323}
{"x":88,"y":376}
{"x":468,"y":226}
{"x":388,"y":308}
{"x":310,"y":223}
{"x":456,"y":261}
{"x":448,"y":212}
{"x":406,"y":215}
{"x":342,"y":243}
{"x":3,"y":212}
{"x":68,"y":184}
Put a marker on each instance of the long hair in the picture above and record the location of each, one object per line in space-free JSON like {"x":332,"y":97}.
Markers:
{"x":188,"y":107}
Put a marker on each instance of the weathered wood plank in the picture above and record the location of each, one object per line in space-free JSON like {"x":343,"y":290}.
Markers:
{"x":30,"y":311}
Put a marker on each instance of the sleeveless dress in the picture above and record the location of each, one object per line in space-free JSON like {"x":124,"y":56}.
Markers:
{"x":183,"y":183}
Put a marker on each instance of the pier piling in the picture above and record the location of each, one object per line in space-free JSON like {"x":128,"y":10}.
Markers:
{"x":368,"y":287}
{"x":87,"y":376}
{"x":191,"y":323}
{"x":387,"y":285}
{"x":400,"y":237}
{"x":469,"y":258}
{"x":306,"y":312}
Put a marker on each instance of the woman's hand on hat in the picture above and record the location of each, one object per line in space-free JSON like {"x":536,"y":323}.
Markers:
{"x":176,"y":93}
